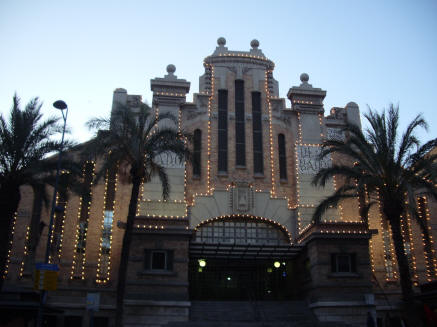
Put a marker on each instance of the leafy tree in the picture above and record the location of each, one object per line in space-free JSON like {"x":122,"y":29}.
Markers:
{"x":388,"y":170}
{"x":132,"y":139}
{"x":25,"y":140}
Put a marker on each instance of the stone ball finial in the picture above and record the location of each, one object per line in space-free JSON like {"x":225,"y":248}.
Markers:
{"x":171,"y":69}
{"x":221,"y":41}
{"x":304,"y":78}
{"x":254,"y":43}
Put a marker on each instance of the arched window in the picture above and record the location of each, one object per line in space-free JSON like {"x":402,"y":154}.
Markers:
{"x":282,"y":157}
{"x":197,"y":148}
{"x":223,"y":131}
{"x":233,"y":230}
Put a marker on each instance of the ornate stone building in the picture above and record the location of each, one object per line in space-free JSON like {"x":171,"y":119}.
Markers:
{"x":238,"y":223}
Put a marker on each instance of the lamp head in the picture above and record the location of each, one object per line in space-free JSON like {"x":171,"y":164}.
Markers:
{"x":60,"y":105}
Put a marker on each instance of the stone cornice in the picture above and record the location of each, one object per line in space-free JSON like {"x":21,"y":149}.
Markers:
{"x":240,"y":58}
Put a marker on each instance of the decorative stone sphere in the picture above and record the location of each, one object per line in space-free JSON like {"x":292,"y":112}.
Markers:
{"x":221,"y":41}
{"x":254,"y":43}
{"x":304,"y":77}
{"x":171,"y":69}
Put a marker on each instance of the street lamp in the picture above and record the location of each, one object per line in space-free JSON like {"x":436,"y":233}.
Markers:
{"x":60,"y":105}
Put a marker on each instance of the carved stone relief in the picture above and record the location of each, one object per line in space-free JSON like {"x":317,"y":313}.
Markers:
{"x":241,"y":198}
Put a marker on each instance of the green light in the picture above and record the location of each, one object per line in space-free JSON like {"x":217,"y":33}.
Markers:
{"x":277,"y":264}
{"x":202,"y":262}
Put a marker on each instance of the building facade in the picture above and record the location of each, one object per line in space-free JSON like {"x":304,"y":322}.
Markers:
{"x":238,"y":223}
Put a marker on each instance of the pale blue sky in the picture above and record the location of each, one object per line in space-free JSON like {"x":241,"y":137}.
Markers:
{"x":370,"y":52}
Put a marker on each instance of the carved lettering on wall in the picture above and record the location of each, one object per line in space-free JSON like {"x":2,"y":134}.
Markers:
{"x":309,"y":160}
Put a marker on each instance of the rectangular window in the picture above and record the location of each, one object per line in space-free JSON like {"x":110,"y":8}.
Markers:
{"x":423,"y":212}
{"x":282,"y":157}
{"x":343,"y":263}
{"x":106,"y":232}
{"x":78,"y":269}
{"x":258,"y":166}
{"x":240,"y":138}
{"x":104,"y":261}
{"x":81,"y":239}
{"x":197,"y":148}
{"x":222,"y":130}
{"x":158,"y":260}
{"x":58,"y":229}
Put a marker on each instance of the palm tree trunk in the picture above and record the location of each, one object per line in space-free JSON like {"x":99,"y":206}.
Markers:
{"x":124,"y":259}
{"x":411,"y":310}
{"x":404,"y":268}
{"x":9,"y":200}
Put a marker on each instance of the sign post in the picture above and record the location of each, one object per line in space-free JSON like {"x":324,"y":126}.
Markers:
{"x":92,"y":305}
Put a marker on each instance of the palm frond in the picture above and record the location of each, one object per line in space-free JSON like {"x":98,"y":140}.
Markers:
{"x":344,"y":192}
{"x":135,"y":138}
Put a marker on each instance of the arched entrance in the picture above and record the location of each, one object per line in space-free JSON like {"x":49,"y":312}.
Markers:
{"x":241,"y":258}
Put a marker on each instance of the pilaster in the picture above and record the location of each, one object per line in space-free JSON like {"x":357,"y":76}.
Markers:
{"x":307,"y":103}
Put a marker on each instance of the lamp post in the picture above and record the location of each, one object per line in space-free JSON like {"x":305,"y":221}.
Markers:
{"x":60,"y":105}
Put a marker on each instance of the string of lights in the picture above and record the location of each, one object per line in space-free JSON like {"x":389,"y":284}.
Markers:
{"x":8,"y":258}
{"x":83,"y":216}
{"x":104,"y":260}
{"x":25,"y":251}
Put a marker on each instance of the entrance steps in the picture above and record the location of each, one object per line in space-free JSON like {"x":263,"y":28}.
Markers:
{"x":252,"y":314}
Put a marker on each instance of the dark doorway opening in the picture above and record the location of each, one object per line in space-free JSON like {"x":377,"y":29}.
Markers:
{"x":241,"y":280}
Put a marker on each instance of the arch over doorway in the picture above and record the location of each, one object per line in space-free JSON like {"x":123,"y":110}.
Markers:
{"x":242,"y":230}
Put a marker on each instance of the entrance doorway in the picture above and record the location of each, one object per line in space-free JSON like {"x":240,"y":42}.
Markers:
{"x":242,"y":258}
{"x":240,"y":280}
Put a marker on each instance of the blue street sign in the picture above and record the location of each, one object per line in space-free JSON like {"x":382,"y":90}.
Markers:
{"x":47,"y":266}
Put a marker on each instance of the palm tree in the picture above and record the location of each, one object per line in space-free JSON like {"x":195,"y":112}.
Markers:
{"x":132,"y":140}
{"x":25,"y":140}
{"x":388,"y":170}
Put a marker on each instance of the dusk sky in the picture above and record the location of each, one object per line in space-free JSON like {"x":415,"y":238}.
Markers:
{"x":371,"y":52}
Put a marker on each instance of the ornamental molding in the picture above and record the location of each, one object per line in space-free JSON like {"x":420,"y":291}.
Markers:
{"x":192,"y":114}
{"x":240,"y":59}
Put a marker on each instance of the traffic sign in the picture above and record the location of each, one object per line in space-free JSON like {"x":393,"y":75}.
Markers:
{"x":46,"y":277}
{"x":93,"y":301}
